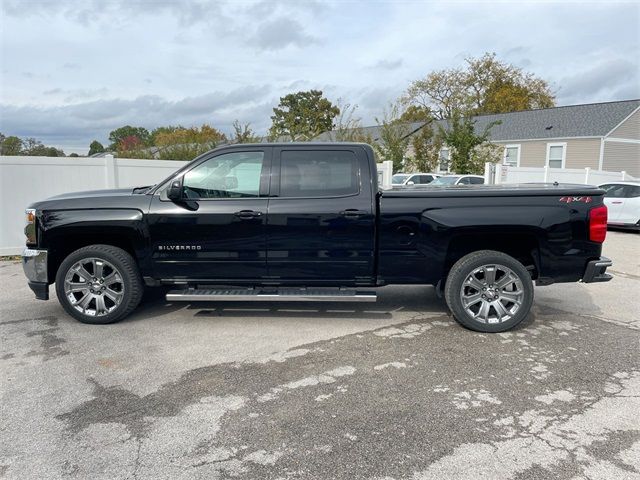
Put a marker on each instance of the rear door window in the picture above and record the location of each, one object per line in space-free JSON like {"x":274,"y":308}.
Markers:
{"x":318,"y":173}
{"x":614,"y":190}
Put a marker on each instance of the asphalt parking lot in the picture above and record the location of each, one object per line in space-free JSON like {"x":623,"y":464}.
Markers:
{"x":393,"y":390}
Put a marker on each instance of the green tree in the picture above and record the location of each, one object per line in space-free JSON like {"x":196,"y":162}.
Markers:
{"x":119,"y":134}
{"x":484,"y":85}
{"x":460,"y":136}
{"x":302,"y":116}
{"x":153,"y":136}
{"x":348,"y":127}
{"x":74,"y":154}
{"x":34,"y":148}
{"x":416,"y":113}
{"x":187,"y":143}
{"x":95,"y":147}
{"x":426,"y":145}
{"x":242,"y":133}
{"x":394,"y":137}
{"x":11,"y":145}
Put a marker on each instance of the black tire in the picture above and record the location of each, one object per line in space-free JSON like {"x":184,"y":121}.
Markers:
{"x":464,"y":268}
{"x":131,"y":283}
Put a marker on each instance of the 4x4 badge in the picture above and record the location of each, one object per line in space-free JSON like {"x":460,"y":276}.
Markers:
{"x":576,"y":199}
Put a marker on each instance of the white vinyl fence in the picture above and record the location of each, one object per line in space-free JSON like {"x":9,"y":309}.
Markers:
{"x":24,"y":180}
{"x":385,"y":172}
{"x":505,"y":174}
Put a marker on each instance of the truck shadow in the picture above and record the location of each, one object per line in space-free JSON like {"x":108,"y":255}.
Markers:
{"x":391,"y":300}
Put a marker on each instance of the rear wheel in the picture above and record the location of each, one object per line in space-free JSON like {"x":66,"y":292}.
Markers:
{"x":489,"y":291}
{"x":99,"y":284}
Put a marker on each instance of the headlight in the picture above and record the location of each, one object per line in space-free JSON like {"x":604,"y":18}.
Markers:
{"x":30,"y":228}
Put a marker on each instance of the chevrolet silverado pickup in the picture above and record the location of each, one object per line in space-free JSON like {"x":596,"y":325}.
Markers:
{"x":307,"y":222}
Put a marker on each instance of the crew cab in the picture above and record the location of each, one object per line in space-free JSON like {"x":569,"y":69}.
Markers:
{"x":307,"y":222}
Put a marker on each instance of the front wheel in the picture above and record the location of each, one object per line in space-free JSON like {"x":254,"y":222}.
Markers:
{"x":489,"y":291}
{"x":99,"y":284}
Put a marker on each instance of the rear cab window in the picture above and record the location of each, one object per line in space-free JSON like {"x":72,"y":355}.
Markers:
{"x":318,"y":173}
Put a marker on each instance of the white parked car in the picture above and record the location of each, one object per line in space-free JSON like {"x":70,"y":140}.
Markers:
{"x":459,"y":180}
{"x":623,"y":202}
{"x":410,"y":179}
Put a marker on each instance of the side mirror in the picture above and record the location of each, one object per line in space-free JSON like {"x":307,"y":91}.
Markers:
{"x":410,"y":183}
{"x":175,"y":190}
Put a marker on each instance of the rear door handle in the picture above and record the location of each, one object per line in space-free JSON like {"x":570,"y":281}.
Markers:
{"x":616,"y":203}
{"x":247,"y":214}
{"x":353,"y":213}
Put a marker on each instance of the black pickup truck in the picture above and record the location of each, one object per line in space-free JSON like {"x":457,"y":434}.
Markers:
{"x":307,"y":222}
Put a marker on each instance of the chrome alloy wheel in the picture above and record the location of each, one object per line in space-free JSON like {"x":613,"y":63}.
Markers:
{"x":94,"y":287}
{"x":492,"y":294}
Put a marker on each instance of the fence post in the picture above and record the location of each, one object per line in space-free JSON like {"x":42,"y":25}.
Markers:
{"x":624,"y":175}
{"x":385,"y":172}
{"x":587,"y":171}
{"x":546,"y":173}
{"x":488,"y":178}
{"x":111,"y":172}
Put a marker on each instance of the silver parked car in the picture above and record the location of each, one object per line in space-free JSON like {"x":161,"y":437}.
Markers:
{"x":459,"y":180}
{"x":411,"y":179}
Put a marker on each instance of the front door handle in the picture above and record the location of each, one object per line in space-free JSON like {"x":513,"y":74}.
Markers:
{"x":353,"y":213}
{"x":247,"y":214}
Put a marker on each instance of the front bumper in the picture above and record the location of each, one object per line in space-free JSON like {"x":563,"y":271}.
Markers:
{"x":34,"y":264}
{"x":596,"y":271}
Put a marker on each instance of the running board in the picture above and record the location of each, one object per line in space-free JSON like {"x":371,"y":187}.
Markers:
{"x":276,"y":295}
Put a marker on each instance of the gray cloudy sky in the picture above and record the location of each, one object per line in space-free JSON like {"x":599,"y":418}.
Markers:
{"x":74,"y":70}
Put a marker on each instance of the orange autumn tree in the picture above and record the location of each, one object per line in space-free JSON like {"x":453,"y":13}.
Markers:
{"x":182,"y":143}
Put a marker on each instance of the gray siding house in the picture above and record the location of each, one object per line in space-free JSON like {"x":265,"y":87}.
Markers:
{"x":602,"y":136}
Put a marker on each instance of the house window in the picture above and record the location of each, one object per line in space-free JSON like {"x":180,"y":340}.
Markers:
{"x":556,"y":154}
{"x":443,"y":165}
{"x":512,"y":155}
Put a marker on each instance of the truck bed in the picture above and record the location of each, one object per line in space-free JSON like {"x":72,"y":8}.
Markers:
{"x":514,"y":189}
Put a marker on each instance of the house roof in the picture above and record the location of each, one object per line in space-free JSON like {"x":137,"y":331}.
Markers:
{"x":588,"y":120}
{"x":373,"y":131}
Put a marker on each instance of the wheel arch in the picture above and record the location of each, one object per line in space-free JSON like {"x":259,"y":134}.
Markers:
{"x":61,"y":245}
{"x":523,"y":246}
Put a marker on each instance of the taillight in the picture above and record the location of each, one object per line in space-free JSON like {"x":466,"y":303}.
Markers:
{"x":598,"y":224}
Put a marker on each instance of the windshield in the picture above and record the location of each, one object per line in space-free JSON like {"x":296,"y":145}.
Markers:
{"x":450,"y":180}
{"x":399,"y":178}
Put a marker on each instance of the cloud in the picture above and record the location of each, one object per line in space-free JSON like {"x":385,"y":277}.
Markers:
{"x":87,"y":12}
{"x":609,"y":76}
{"x":387,"y":64}
{"x":280,"y":33}
{"x":72,"y":95}
{"x":93,"y":65}
{"x":76,"y":123}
